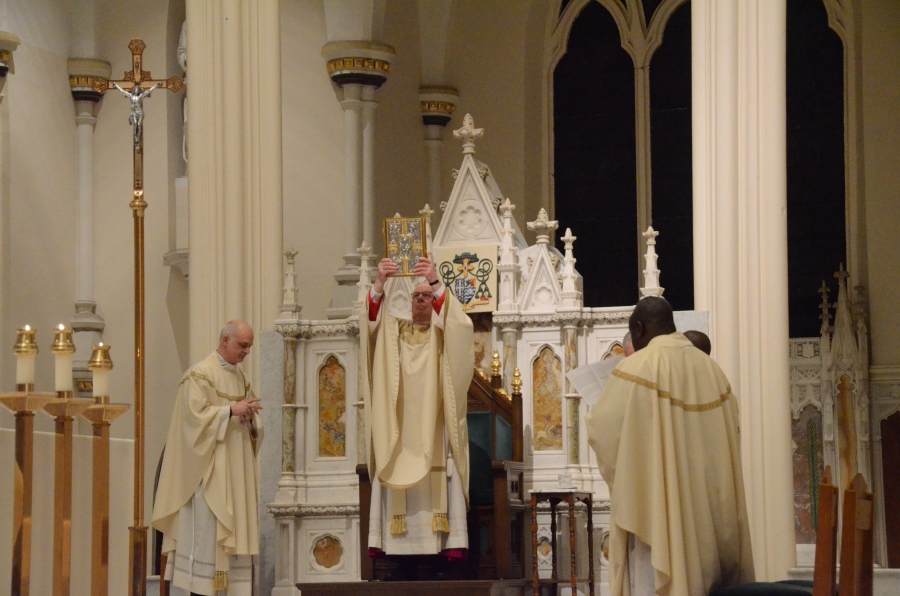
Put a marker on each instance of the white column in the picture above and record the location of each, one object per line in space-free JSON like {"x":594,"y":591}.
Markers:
{"x":235,"y":187}
{"x":359,"y":68}
{"x":84,"y":221}
{"x":86,"y":323}
{"x":368,"y":164}
{"x":433,"y":142}
{"x":352,"y":105}
{"x":740,"y":246}
{"x":437,"y":105}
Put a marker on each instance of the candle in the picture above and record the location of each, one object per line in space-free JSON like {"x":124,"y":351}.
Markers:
{"x":100,"y":364}
{"x":26,"y":349}
{"x":62,"y":349}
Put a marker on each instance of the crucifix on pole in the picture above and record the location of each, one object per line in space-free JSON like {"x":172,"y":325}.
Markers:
{"x":138,"y":84}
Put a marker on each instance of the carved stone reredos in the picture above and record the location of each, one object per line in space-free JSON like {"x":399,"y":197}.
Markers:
{"x":471,"y":216}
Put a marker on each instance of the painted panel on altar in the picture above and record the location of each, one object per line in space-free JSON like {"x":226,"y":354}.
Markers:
{"x":547,"y":399}
{"x":482,"y":323}
{"x":808,"y":471}
{"x":332,"y":409}
{"x":471,"y":274}
{"x":614,"y":351}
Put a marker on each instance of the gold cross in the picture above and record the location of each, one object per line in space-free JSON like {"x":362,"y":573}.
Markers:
{"x":138,"y":76}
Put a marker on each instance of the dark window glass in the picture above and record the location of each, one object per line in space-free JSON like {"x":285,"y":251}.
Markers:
{"x":815,"y":161}
{"x":670,"y":159}
{"x":594,"y":157}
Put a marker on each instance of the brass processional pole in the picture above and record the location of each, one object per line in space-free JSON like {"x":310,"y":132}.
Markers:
{"x":136,"y":85}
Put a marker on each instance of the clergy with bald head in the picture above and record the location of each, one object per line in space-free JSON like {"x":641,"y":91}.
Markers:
{"x":414,"y":378}
{"x":666,"y":434}
{"x":207,"y":499}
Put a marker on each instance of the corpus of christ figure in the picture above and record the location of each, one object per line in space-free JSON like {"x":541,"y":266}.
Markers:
{"x":136,"y":95}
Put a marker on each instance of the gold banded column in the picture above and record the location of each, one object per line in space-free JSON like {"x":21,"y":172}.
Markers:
{"x":358,"y":68}
{"x":437,"y":105}
{"x":86,"y":323}
{"x":101,"y":414}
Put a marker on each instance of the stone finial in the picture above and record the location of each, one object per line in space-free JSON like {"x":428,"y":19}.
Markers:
{"x":365,"y":253}
{"x":495,"y":364}
{"x":569,"y":240}
{"x":507,"y":251}
{"x":468,"y":133}
{"x":517,"y":382}
{"x":651,"y":273}
{"x":427,"y":212}
{"x":841,"y":275}
{"x":290,"y":290}
{"x":543,"y":226}
{"x":570,"y":295}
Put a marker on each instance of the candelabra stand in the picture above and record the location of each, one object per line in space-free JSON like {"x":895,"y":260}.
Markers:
{"x":23,"y":403}
{"x":101,"y":415}
{"x":63,"y":408}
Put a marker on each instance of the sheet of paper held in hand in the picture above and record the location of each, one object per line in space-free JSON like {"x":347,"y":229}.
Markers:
{"x":590,"y":379}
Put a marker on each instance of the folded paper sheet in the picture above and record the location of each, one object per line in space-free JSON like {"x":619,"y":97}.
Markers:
{"x":590,"y":379}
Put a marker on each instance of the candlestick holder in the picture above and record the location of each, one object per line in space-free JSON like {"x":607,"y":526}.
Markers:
{"x":101,"y":415}
{"x":63,"y":408}
{"x":26,"y":349}
{"x":23,"y":404}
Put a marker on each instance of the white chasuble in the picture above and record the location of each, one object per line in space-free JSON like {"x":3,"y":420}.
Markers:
{"x":207,"y":501}
{"x":415,"y":386}
{"x":666,"y":435}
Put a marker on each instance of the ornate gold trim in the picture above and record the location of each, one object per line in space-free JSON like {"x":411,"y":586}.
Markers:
{"x":83,"y":81}
{"x":357,"y":63}
{"x":442,"y":107}
{"x":203,"y":377}
{"x":666,"y":395}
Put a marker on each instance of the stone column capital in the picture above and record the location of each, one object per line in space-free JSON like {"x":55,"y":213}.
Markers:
{"x":82,"y":74}
{"x":362,"y":62}
{"x":8,"y":44}
{"x":437,"y":104}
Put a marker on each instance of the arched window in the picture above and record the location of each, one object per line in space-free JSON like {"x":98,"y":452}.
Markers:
{"x":609,"y":182}
{"x":815,"y":161}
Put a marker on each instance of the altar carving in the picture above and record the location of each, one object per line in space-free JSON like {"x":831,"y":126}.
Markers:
{"x":830,"y":407}
{"x":534,"y":319}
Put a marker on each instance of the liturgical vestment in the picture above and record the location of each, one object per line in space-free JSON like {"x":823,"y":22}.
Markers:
{"x":207,"y":501}
{"x":415,"y":380}
{"x":666,"y":435}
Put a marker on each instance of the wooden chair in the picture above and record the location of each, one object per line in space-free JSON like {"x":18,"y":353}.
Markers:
{"x":823,"y":583}
{"x":857,"y":569}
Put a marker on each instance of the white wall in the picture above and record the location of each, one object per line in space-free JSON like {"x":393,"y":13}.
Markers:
{"x":881,"y":130}
{"x":313,"y":142}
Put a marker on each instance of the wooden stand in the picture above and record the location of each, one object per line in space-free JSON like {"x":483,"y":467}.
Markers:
{"x":570,"y":497}
{"x":23,"y":405}
{"x":63,"y":410}
{"x":101,"y":416}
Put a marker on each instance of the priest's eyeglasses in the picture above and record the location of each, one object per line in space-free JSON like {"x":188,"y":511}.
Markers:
{"x":425,"y":295}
